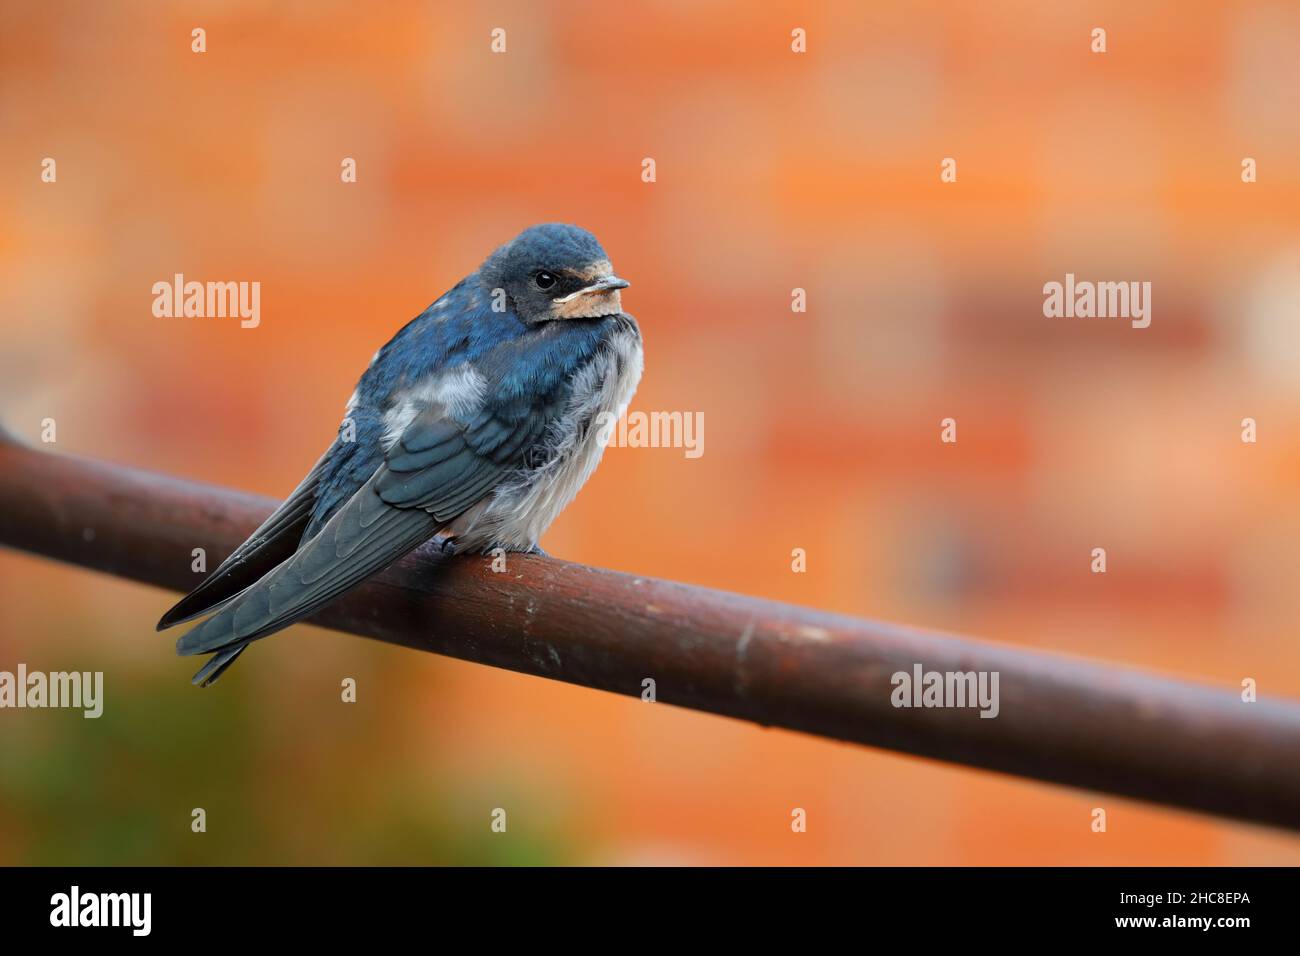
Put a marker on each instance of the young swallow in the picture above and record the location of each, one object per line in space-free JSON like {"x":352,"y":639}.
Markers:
{"x":477,"y":423}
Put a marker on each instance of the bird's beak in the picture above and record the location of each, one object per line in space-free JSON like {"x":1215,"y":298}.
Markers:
{"x":607,"y":284}
{"x":603,"y":284}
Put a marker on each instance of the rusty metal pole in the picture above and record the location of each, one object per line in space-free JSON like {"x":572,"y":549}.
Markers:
{"x":1061,"y":720}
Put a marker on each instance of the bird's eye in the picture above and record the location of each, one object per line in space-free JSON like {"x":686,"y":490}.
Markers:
{"x":544,"y":280}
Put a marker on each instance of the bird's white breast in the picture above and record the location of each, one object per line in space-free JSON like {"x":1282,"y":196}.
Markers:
{"x":521,"y":510}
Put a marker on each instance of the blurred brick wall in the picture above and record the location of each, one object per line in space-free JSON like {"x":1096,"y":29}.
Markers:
{"x":774,"y":171}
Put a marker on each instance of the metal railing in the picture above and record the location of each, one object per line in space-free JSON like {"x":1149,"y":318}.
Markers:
{"x":1062,"y":720}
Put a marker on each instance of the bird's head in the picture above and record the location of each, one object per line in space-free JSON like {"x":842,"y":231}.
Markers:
{"x":555,"y":271}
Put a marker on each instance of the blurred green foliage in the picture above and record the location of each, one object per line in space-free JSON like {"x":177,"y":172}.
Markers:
{"x":282,"y":781}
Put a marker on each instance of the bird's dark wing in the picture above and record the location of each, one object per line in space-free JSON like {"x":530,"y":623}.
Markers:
{"x":444,"y":467}
{"x":273,"y":542}
{"x":435,"y":470}
{"x":364,"y":536}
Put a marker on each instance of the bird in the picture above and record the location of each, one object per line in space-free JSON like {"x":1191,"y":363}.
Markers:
{"x":473,"y":427}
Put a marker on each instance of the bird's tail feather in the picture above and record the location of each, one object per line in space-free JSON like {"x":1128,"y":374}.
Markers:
{"x":273,"y":542}
{"x":364,"y":537}
{"x":218,"y":664}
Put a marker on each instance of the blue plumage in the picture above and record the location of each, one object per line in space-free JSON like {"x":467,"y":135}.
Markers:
{"x":473,"y":422}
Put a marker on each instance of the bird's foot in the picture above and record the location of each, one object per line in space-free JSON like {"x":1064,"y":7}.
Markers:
{"x":538,"y":551}
{"x":444,"y":543}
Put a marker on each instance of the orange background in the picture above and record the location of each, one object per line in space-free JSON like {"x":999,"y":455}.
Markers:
{"x":775,"y":171}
